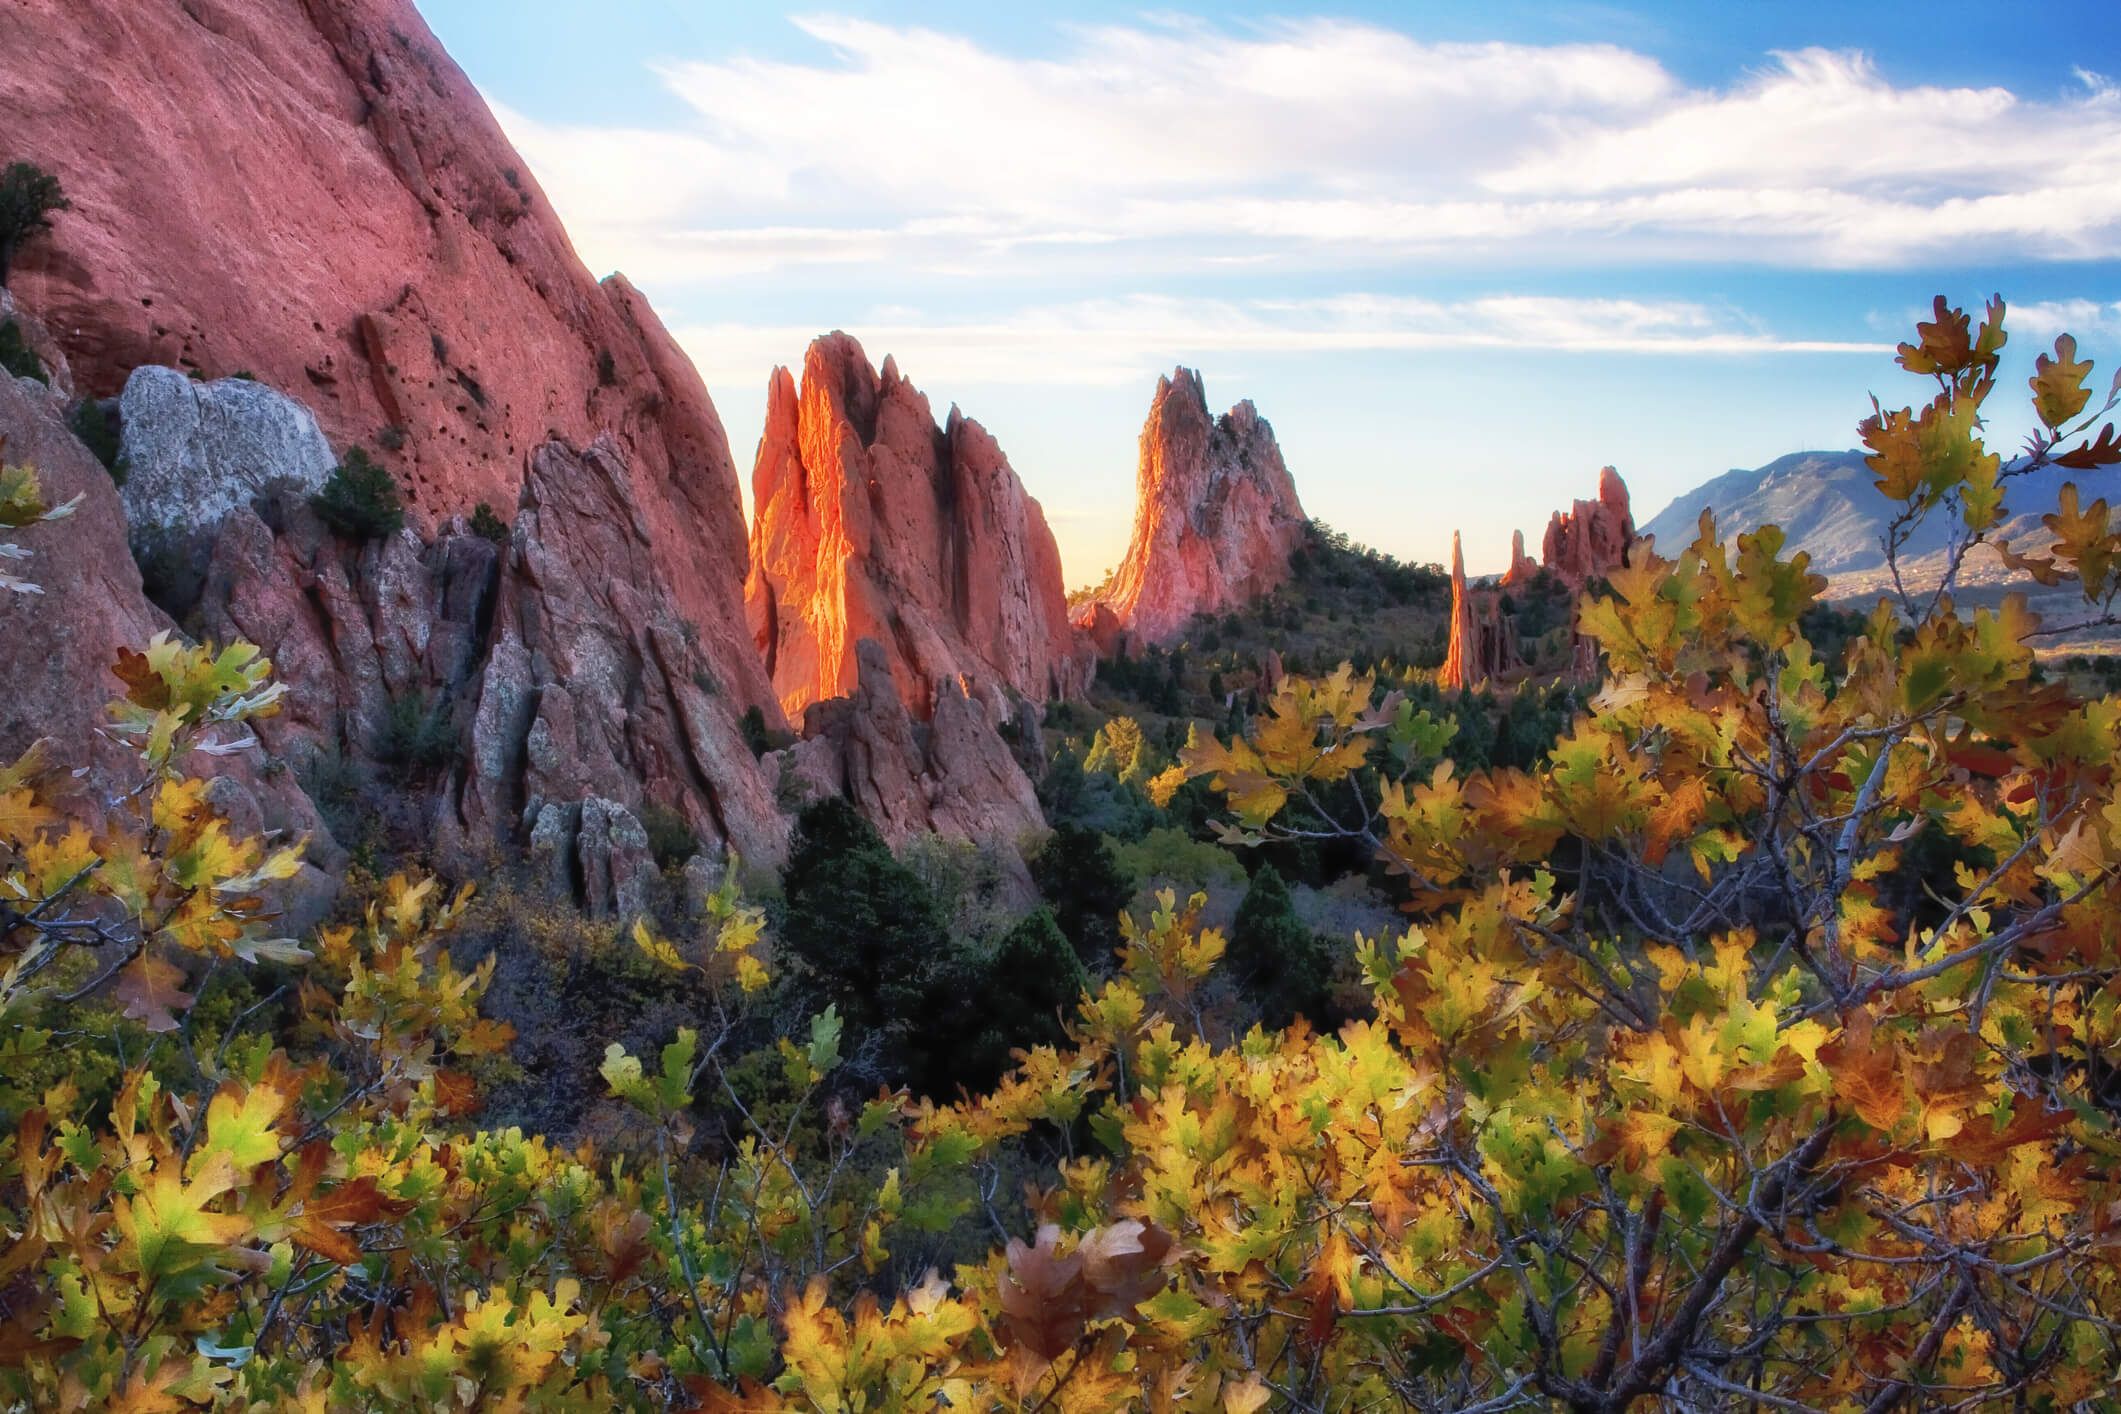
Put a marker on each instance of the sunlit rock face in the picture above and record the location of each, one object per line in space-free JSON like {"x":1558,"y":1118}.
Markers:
{"x":1586,"y":542}
{"x":1483,"y":644}
{"x":311,"y":192}
{"x":1216,"y":518}
{"x":873,"y":522}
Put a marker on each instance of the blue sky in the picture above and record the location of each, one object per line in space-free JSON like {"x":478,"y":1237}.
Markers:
{"x":1461,"y":255}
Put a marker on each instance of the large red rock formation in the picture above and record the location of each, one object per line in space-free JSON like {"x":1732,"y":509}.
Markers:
{"x":870,"y":522}
{"x":1587,"y":542}
{"x":1215,"y":518}
{"x":311,"y":191}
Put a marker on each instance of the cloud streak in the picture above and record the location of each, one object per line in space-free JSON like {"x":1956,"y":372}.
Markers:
{"x":1122,"y":341}
{"x":1156,"y":146}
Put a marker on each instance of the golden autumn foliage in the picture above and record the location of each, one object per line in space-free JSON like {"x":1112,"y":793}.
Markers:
{"x":1754,"y":1050}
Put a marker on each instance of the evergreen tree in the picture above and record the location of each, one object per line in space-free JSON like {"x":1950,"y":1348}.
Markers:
{"x":1278,"y":962}
{"x":28,"y":197}
{"x":1016,"y":999}
{"x":1082,"y":879}
{"x":864,"y":931}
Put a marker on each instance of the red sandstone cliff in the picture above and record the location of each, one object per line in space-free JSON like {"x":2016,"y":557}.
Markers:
{"x":1215,"y":518}
{"x":310,"y":191}
{"x":872,"y":522}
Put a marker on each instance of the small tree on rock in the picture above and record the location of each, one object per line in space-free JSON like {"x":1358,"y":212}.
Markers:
{"x":28,"y":197}
{"x":359,"y":499}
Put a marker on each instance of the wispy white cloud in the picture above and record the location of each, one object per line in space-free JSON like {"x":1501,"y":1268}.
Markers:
{"x":1171,"y":142}
{"x":1122,"y":341}
{"x":2042,"y":320}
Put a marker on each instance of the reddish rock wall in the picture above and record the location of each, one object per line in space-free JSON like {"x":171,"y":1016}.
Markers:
{"x":58,"y":646}
{"x":870,"y":521}
{"x":310,"y":191}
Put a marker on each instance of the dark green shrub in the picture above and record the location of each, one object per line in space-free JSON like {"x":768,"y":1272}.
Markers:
{"x":16,"y":358}
{"x":417,"y":736}
{"x":754,"y":726}
{"x":333,"y":781}
{"x":485,"y":522}
{"x":1016,"y":998}
{"x":1080,"y":876}
{"x":671,"y":838}
{"x":760,"y":737}
{"x":1279,"y":963}
{"x":360,"y":499}
{"x":97,"y":427}
{"x":28,"y":197}
{"x":864,"y":934}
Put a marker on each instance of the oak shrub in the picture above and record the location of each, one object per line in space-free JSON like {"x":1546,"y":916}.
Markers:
{"x":1678,"y":1091}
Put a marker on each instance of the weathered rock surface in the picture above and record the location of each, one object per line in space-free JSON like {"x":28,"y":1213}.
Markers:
{"x":617,"y":867}
{"x":1483,"y":644}
{"x":311,"y":191}
{"x":954,"y":774}
{"x":1591,"y":539}
{"x":57,"y":648}
{"x":1215,"y":520}
{"x":194,"y":452}
{"x":58,"y":373}
{"x":870,"y":521}
{"x":557,"y":670}
{"x":1522,"y":566}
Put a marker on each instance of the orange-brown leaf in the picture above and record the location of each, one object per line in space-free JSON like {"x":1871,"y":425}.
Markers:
{"x":149,"y":992}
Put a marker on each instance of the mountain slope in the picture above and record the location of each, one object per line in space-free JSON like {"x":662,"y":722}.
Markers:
{"x":1829,"y":505}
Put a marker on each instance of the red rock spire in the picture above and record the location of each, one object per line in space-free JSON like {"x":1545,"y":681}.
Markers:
{"x":870,"y":521}
{"x":1457,"y":670}
{"x":1216,"y":517}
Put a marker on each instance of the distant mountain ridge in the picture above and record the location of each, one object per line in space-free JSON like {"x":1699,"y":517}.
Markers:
{"x":1829,"y":505}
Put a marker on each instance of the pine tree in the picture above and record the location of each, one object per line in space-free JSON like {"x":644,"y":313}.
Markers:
{"x":1279,"y":962}
{"x":28,"y":197}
